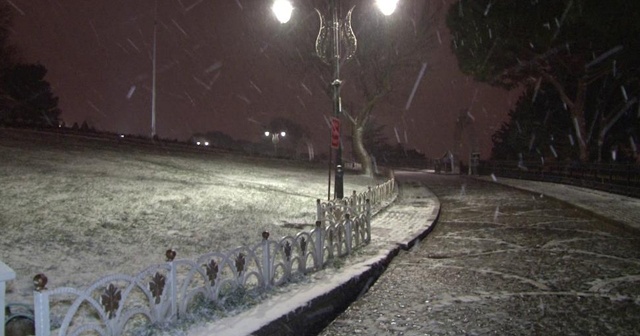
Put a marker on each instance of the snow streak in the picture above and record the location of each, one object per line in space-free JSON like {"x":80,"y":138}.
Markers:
{"x":415,"y":85}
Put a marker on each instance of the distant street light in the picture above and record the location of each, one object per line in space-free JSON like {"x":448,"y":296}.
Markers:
{"x":341,"y":32}
{"x":275,"y":138}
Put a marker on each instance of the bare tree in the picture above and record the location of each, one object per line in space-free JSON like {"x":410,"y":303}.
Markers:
{"x":388,"y":49}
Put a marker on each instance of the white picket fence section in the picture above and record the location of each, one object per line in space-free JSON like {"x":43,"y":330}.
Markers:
{"x":165,"y":292}
{"x":6,"y":275}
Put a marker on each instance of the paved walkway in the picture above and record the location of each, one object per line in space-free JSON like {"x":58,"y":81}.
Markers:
{"x":506,"y":262}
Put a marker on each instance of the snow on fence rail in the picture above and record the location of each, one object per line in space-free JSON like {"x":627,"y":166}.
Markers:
{"x":165,"y":292}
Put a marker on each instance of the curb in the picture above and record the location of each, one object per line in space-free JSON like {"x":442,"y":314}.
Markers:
{"x":320,"y":311}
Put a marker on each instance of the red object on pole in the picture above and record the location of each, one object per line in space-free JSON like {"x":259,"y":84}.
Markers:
{"x":335,"y":133}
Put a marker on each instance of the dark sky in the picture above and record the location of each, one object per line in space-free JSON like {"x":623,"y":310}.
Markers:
{"x":218,"y":69}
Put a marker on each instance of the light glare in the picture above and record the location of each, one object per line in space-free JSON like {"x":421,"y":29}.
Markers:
{"x":282,"y":9}
{"x":282,"y":134}
{"x":266,"y":133}
{"x":387,"y":7}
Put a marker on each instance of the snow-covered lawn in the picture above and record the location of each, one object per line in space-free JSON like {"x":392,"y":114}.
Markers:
{"x":78,"y":209}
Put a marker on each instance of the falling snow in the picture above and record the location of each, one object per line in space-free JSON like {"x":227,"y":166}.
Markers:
{"x":131,"y":91}
{"x":415,"y":85}
{"x":213,"y":67}
{"x":16,"y":7}
{"x":486,"y":11}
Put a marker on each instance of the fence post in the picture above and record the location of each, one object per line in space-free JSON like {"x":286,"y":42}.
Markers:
{"x":357,"y":228}
{"x":319,"y":245}
{"x":170,"y":254}
{"x":353,"y":200}
{"x":368,"y":220}
{"x":318,"y":210}
{"x":41,"y":305}
{"x":6,"y":274}
{"x":348,"y":233}
{"x":266,"y":260}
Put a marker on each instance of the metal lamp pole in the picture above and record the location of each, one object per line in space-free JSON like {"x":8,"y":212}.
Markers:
{"x":330,"y":53}
{"x":338,"y":189}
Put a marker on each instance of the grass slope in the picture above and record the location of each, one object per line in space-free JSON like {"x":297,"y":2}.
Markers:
{"x":80,"y":208}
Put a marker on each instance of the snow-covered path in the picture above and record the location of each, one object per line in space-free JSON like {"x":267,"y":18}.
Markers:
{"x":507,"y":262}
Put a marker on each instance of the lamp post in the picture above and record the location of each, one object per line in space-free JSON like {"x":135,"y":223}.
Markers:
{"x":332,"y":36}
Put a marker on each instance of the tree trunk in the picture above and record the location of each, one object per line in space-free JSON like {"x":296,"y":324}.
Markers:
{"x":361,"y":153}
{"x":579,"y":122}
{"x":576,"y":110}
{"x":600,"y":143}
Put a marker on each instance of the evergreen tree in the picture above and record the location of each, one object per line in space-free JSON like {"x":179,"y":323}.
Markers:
{"x":25,"y":97}
{"x":7,"y":56}
{"x":33,"y":102}
{"x":7,"y":50}
{"x":538,"y":128}
{"x":572,"y":45}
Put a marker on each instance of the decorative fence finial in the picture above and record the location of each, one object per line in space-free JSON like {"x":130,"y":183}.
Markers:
{"x":287,"y":251}
{"x":40,"y":281}
{"x":110,"y":300}
{"x":212,"y":271}
{"x":170,"y":254}
{"x":240,"y":262}
{"x":303,"y":246}
{"x":156,"y":286}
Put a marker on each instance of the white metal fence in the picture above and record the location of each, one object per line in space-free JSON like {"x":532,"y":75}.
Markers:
{"x":164,"y":293}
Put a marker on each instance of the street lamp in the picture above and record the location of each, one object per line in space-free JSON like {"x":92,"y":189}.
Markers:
{"x":340,"y":32}
{"x":275,"y":139}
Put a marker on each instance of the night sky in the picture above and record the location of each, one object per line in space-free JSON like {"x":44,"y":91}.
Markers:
{"x":218,"y":68}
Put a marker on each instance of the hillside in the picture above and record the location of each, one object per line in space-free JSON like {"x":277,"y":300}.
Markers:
{"x":77,"y":208}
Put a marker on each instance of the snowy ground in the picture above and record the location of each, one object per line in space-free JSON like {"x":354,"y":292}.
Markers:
{"x":79,"y":210}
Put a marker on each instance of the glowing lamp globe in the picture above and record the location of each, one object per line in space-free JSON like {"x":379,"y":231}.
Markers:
{"x":282,"y":9}
{"x":387,"y":7}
